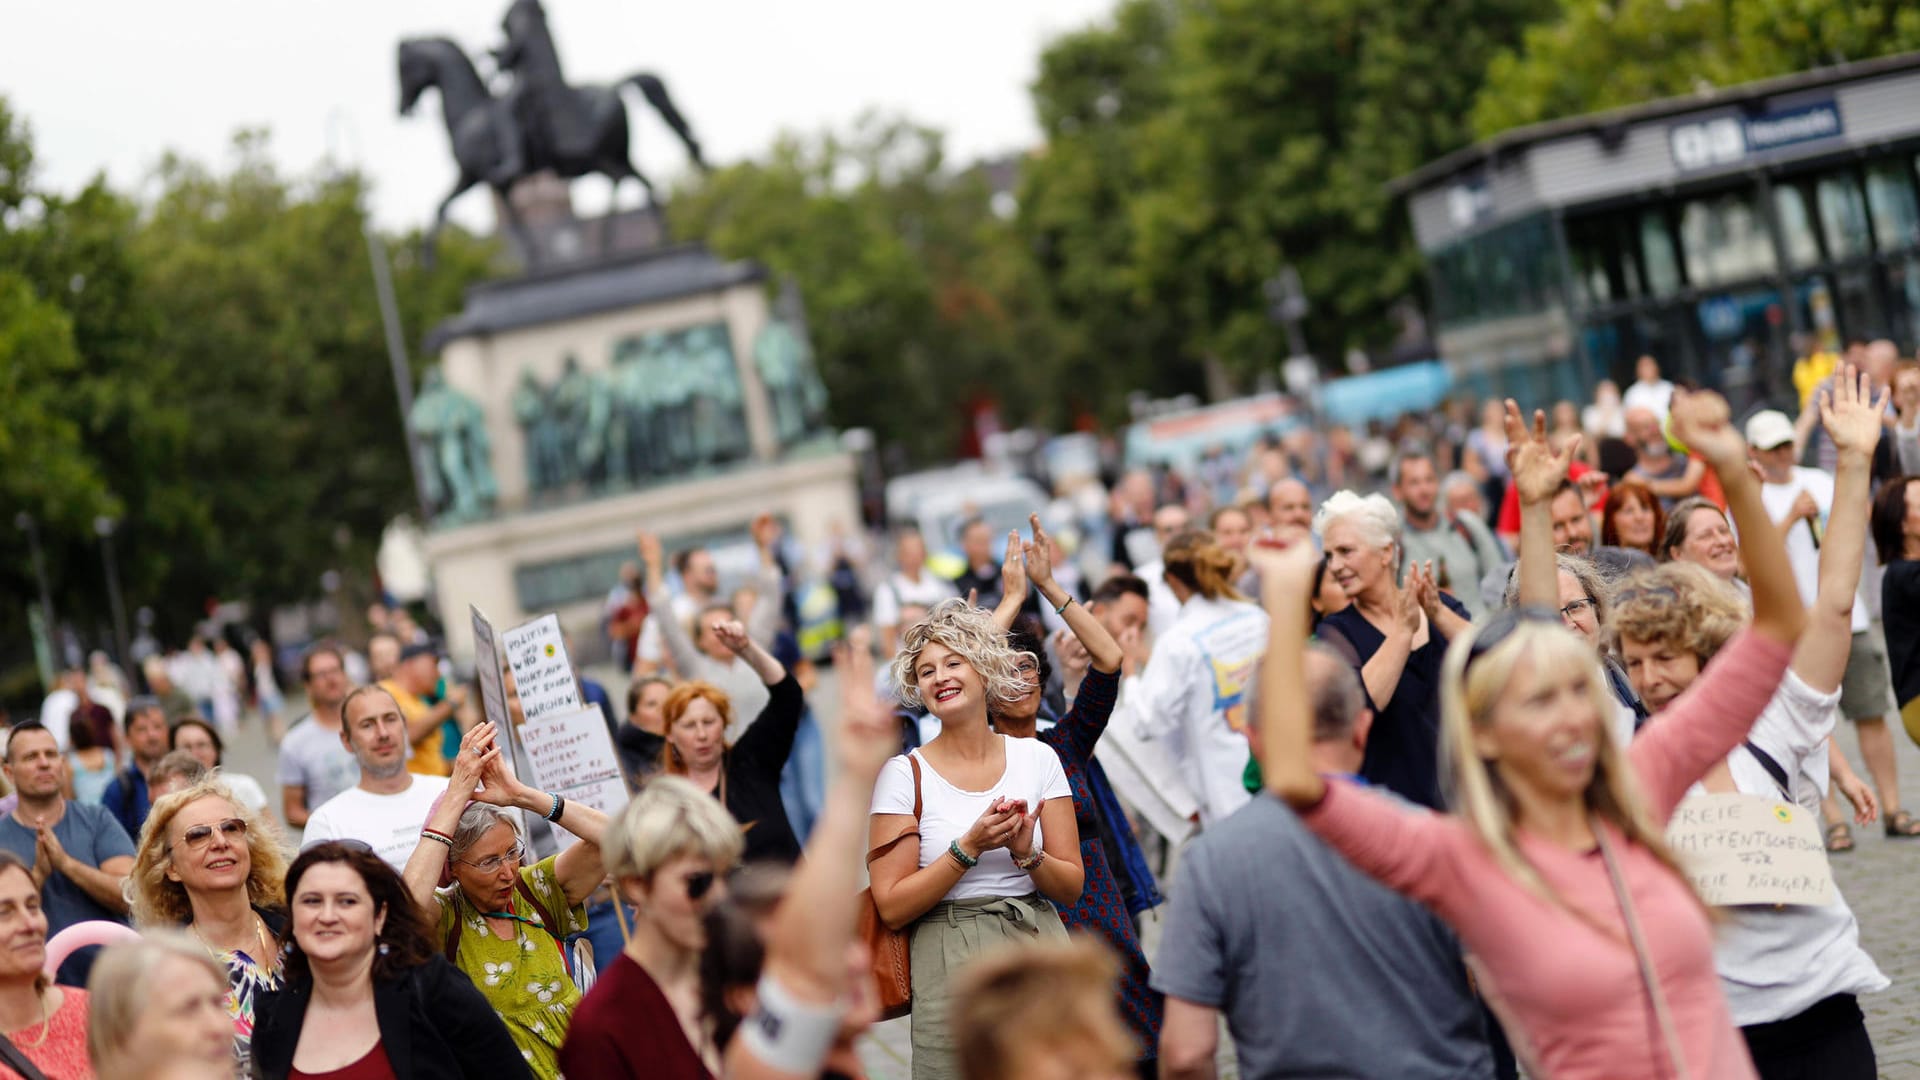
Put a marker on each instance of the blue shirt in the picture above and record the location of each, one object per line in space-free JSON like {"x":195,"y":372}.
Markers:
{"x":129,"y":808}
{"x":88,"y":833}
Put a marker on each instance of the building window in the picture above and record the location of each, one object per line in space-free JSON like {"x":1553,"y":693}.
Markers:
{"x":1843,"y":216}
{"x":1796,"y":226}
{"x":1662,"y":263}
{"x":1724,"y":240}
{"x":1896,"y":219}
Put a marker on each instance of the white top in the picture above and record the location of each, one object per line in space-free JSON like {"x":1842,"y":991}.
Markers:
{"x":947,"y":812}
{"x":390,"y":824}
{"x":56,"y":714}
{"x":1192,"y":698}
{"x":1657,"y":396}
{"x":1802,"y":551}
{"x":651,"y":646}
{"x":899,"y":590}
{"x":1163,"y":608}
{"x":1145,"y":778}
{"x":1776,"y":962}
{"x":248,"y":790}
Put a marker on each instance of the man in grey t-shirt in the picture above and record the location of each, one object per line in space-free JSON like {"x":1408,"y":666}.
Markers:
{"x":1320,"y":970}
{"x":1460,"y":546}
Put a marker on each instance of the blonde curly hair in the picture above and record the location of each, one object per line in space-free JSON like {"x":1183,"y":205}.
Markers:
{"x":1679,"y":603}
{"x":971,"y":632}
{"x":160,"y":901}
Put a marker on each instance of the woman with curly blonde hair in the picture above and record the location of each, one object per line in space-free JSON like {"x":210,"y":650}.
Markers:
{"x":209,"y":863}
{"x":993,"y":816}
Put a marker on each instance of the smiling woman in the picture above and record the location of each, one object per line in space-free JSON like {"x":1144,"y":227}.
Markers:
{"x":46,"y":1024}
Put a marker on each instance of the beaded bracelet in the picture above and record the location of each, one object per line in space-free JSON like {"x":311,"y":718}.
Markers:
{"x":439,"y":836}
{"x":966,"y":861}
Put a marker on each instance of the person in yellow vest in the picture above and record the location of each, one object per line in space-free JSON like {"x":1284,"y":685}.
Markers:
{"x":413,"y":679}
{"x":1810,"y":371}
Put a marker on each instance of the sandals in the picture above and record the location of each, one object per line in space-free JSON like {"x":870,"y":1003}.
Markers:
{"x":1839,"y":838}
{"x":1901,"y":825}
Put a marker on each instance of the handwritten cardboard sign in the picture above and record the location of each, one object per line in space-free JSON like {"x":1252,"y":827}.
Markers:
{"x":571,"y":753}
{"x":486,"y":668}
{"x":542,"y":672}
{"x":1743,"y":849}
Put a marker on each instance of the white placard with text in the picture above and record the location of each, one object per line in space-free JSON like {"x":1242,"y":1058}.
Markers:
{"x":1743,"y":849}
{"x":542,"y":672}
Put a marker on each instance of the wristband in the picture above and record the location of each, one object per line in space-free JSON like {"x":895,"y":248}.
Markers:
{"x":1031,"y":862}
{"x":438,"y":836}
{"x":787,"y":1034}
{"x":559,"y":807}
{"x":1064,"y":605}
{"x":965,"y":860}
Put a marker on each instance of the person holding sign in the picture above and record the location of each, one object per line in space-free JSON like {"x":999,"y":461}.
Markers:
{"x":1791,"y":967}
{"x":743,"y":775}
{"x":1553,"y":866}
{"x":502,"y":922}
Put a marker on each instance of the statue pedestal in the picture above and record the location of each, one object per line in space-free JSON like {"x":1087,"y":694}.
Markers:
{"x":655,"y":391}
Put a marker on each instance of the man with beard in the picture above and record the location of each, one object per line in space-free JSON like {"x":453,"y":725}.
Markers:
{"x":387,"y":808}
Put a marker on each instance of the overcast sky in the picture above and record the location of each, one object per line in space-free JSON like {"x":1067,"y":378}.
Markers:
{"x":115,"y":85}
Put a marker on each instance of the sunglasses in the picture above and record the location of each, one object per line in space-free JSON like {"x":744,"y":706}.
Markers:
{"x":1501,"y":627}
{"x":234,"y":829}
{"x":698,"y":883}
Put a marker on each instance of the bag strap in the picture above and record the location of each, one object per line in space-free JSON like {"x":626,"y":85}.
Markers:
{"x":913,"y":763}
{"x":14,"y":1058}
{"x":913,"y":830}
{"x":1773,"y":768}
{"x":1640,"y":952}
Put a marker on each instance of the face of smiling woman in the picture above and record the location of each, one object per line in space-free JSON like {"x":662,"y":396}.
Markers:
{"x":205,"y":852}
{"x":334,"y":920}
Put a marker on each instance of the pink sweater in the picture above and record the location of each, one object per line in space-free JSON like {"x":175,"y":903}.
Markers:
{"x":1573,"y":997}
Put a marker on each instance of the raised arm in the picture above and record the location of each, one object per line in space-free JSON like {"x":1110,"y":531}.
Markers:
{"x":1537,"y":474}
{"x":1100,"y":645}
{"x":1852,"y":417}
{"x":1286,"y":717}
{"x":686,"y":658}
{"x":1701,"y":421}
{"x":1013,"y":583}
{"x":428,"y":863}
{"x":741,"y":642}
{"x":763,"y":622}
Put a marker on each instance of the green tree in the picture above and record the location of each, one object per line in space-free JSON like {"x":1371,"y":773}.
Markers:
{"x":1597,"y":55}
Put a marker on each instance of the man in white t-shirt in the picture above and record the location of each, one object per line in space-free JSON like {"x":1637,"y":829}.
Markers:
{"x":1649,"y":391}
{"x":389,"y":806}
{"x":912,"y":585}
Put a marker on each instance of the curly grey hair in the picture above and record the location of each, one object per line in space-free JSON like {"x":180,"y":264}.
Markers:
{"x":972,"y":633}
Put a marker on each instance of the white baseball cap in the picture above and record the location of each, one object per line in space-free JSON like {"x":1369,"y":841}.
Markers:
{"x":1768,"y":429}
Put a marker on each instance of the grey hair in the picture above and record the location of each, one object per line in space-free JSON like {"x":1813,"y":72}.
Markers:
{"x":670,"y":817}
{"x":1593,"y":581}
{"x":181,"y":765}
{"x":120,"y":987}
{"x":971,"y":632}
{"x":476,"y":821}
{"x":1456,"y":479}
{"x":1336,"y":700}
{"x":1373,"y":515}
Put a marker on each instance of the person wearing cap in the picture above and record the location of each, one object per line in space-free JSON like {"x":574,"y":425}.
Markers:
{"x":415,"y":677}
{"x":1800,"y":500}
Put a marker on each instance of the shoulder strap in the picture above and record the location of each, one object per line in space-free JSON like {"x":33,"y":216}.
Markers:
{"x":1648,"y":975}
{"x":13,"y":1058}
{"x":911,"y":830}
{"x":547,"y":921}
{"x":1773,"y":768}
{"x":913,"y":762}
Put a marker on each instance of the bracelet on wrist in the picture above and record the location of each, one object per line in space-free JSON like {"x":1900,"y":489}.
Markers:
{"x":1032,"y":862}
{"x":966,"y":861}
{"x":1064,"y":605}
{"x":438,"y":837}
{"x":559,"y":807}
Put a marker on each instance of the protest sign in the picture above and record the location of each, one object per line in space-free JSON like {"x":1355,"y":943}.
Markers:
{"x":542,"y":672}
{"x":571,"y":754}
{"x":486,"y":668}
{"x":1743,"y":849}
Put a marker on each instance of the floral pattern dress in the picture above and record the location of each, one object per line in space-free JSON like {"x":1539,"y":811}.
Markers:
{"x":524,"y":978}
{"x":248,"y":976}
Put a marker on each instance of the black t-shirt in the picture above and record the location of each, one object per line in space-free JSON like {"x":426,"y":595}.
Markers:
{"x":1900,"y":612}
{"x":639,"y":753}
{"x":1404,"y":746}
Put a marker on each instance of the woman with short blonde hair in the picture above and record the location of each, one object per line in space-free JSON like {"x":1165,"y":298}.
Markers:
{"x":1045,"y":1011}
{"x":209,"y":864}
{"x":158,"y":1001}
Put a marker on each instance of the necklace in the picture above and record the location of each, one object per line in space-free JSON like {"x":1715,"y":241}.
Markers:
{"x":46,"y":1023}
{"x":266,"y":956}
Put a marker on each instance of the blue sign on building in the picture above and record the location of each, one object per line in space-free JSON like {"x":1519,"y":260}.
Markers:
{"x":1725,"y":140}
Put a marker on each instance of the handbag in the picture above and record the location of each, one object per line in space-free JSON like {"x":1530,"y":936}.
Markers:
{"x":14,"y":1058}
{"x":1647,"y":974}
{"x":890,"y":950}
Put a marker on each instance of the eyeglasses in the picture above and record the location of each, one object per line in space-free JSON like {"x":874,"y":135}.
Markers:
{"x":1502,"y":626}
{"x":1026,"y":664}
{"x":1572,"y":609}
{"x":493,"y":864}
{"x":699,"y":883}
{"x":234,"y":829}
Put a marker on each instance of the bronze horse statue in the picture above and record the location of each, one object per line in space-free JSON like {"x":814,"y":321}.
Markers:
{"x":590,"y":137}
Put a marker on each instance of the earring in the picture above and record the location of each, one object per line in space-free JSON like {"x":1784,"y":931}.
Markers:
{"x":383,"y":948}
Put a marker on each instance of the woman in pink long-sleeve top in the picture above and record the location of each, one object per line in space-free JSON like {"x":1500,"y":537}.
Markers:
{"x":1544,"y":802}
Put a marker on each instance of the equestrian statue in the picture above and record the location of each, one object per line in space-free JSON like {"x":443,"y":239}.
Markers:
{"x":539,"y":124}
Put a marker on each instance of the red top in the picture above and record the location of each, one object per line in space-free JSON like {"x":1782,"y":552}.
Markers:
{"x":624,"y":1029}
{"x":373,"y":1065}
{"x":62,"y":1055}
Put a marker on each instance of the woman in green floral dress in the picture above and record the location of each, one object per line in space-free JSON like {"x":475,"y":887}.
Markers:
{"x":503,"y":923}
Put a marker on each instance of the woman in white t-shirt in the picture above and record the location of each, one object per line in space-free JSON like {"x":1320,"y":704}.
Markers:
{"x":993,"y":817}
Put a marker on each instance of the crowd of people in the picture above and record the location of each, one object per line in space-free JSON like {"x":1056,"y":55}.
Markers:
{"x":1412,"y":752}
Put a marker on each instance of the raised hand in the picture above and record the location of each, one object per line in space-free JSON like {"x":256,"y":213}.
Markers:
{"x":1013,"y":570}
{"x":650,"y":554}
{"x":869,"y":734}
{"x":733,"y":634}
{"x":477,"y":748}
{"x":1537,"y":469}
{"x":1703,"y":423}
{"x":1852,"y":414}
{"x":1039,"y":554}
{"x":1287,"y":563}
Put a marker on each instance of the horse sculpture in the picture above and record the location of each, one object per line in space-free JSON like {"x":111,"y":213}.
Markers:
{"x":593,"y":138}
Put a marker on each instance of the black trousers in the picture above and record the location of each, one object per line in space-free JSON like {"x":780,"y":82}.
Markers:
{"x":1827,"y":1042}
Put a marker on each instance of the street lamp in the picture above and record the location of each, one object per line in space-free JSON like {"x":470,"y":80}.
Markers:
{"x":103,"y":527}
{"x":25,"y":523}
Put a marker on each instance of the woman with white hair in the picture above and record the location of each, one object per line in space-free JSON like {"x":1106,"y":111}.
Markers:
{"x":507,"y":925}
{"x":158,"y":1003}
{"x":1399,"y":634}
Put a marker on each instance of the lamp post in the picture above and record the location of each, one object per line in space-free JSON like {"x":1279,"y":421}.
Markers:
{"x":25,"y":523}
{"x":103,"y":527}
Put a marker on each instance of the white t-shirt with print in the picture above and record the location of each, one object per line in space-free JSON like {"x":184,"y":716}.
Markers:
{"x":946,"y":812}
{"x":389,"y":824}
{"x":1193,"y":698}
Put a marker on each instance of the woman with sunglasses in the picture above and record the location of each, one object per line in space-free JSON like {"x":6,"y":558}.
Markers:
{"x":366,"y":995}
{"x":667,"y":853}
{"x":1553,"y":867}
{"x":1791,"y":972}
{"x":209,"y":864}
{"x":506,"y":924}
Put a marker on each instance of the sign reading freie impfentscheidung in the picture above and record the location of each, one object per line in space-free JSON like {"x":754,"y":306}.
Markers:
{"x":1728,"y":140}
